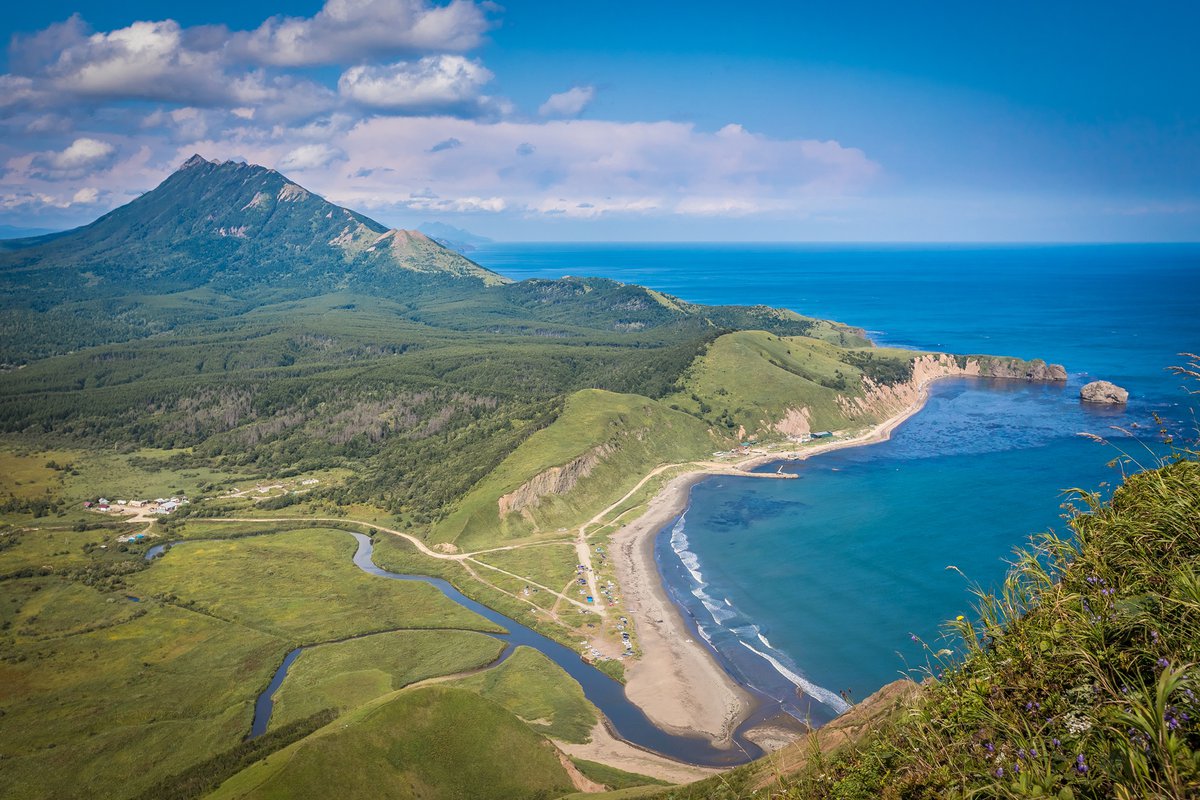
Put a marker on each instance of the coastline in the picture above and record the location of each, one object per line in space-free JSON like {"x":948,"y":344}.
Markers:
{"x":678,"y":681}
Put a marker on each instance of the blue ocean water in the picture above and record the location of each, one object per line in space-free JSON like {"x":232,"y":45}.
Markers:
{"x":812,"y":588}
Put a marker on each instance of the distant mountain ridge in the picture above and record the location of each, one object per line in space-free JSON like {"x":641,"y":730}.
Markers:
{"x":457,"y":239}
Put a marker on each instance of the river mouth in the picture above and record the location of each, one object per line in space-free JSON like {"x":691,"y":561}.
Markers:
{"x":624,"y":719}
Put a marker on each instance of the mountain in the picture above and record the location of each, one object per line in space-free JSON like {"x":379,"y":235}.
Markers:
{"x":455,"y":238}
{"x":233,"y":227}
{"x":218,"y":240}
{"x":213,"y":239}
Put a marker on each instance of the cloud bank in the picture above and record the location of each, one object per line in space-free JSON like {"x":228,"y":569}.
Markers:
{"x":401,"y":117}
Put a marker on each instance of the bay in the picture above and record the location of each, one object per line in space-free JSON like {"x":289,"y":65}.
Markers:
{"x":815,"y":588}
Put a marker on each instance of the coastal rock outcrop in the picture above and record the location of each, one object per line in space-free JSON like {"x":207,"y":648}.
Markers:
{"x":883,"y":400}
{"x":1103,"y":392}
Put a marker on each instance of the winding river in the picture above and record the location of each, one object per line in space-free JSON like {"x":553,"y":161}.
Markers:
{"x":624,"y":719}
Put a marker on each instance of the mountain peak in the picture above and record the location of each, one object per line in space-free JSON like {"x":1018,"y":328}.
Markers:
{"x":195,"y":161}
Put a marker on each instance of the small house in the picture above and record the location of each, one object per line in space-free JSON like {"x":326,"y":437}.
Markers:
{"x":822,"y":434}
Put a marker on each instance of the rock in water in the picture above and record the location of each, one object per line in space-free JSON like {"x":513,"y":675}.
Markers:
{"x":1103,"y":392}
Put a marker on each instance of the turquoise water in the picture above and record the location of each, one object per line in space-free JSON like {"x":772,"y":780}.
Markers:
{"x":828,"y":577}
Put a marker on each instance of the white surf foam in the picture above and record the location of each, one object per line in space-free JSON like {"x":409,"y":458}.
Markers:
{"x":679,"y":543}
{"x":823,"y":695}
{"x":763,"y":639}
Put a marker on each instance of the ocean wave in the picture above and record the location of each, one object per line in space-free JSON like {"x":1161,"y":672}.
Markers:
{"x":679,"y":543}
{"x":763,"y":639}
{"x":821,"y":694}
{"x":720,"y":613}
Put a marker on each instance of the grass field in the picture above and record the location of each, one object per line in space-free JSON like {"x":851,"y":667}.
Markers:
{"x":103,"y":696}
{"x":300,"y":586}
{"x":429,"y":743}
{"x":345,"y":675}
{"x":537,"y":690}
{"x":551,"y":565}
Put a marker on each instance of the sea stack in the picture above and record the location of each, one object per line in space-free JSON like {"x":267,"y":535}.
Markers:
{"x":1103,"y":392}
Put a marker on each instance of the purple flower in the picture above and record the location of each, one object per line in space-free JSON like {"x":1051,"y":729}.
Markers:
{"x":1163,"y":663}
{"x":1057,"y":744}
{"x":1021,"y":753}
{"x":990,"y":747}
{"x":1033,"y":752}
{"x":1080,"y":765}
{"x":999,"y":772}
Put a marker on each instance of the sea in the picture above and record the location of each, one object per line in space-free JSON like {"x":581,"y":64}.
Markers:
{"x":818,"y":591}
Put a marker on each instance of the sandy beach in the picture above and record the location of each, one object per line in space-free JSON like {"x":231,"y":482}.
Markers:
{"x":678,"y":681}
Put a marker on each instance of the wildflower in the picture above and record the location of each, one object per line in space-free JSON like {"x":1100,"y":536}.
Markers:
{"x":1056,"y":743}
{"x":990,"y":747}
{"x":1163,"y":663}
{"x":1021,"y":753}
{"x":999,"y":772}
{"x":1081,"y":765}
{"x":960,"y":618}
{"x":1033,"y":752}
{"x":1154,"y":636}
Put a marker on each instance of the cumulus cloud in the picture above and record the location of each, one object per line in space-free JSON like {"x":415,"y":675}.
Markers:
{"x":311,"y":156}
{"x":570,"y":103}
{"x":161,"y":61}
{"x":350,"y":30}
{"x":434,"y":84}
{"x":82,"y":153}
{"x":86,"y":196}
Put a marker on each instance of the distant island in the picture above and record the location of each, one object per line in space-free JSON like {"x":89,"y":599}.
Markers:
{"x":453,"y":238}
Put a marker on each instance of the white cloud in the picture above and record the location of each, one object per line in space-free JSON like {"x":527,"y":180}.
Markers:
{"x":80,"y":156}
{"x":311,"y":156}
{"x":432,"y":84}
{"x":570,"y":103}
{"x":577,"y":169}
{"x":86,"y":195}
{"x":160,"y":60}
{"x":350,"y":30}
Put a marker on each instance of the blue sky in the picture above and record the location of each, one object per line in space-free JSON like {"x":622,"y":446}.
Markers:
{"x":635,"y":121}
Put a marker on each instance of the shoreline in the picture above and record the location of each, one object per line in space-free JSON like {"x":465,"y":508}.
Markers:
{"x":678,"y":681}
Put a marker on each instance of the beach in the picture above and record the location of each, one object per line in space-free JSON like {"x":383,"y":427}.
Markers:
{"x":678,"y":681}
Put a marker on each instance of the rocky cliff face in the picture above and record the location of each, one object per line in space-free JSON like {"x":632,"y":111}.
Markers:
{"x":556,"y":480}
{"x":884,"y":400}
{"x":1103,"y":392}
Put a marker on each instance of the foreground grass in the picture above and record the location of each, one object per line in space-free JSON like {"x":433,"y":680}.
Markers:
{"x":428,"y":743}
{"x":537,"y":690}
{"x":1080,"y":679}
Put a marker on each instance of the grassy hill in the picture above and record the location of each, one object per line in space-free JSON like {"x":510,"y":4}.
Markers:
{"x":427,"y":743}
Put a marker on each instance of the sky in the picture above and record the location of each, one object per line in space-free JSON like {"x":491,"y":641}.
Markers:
{"x":626,"y":121}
